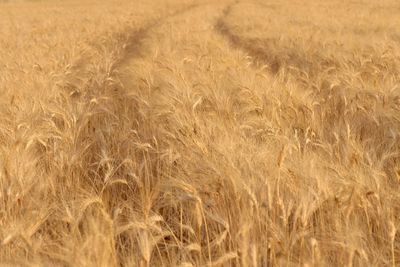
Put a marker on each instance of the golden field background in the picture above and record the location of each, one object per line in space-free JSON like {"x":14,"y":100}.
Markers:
{"x":192,"y":133}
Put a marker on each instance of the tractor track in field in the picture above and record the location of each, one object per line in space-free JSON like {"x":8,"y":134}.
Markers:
{"x":259,"y":54}
{"x":135,"y":41}
{"x":263,"y":51}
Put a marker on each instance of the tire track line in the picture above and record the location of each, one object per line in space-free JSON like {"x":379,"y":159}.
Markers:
{"x":258,"y":54}
{"x":135,"y":41}
{"x":265,"y":50}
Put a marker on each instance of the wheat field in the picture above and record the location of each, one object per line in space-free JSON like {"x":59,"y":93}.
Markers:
{"x":199,"y":133}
